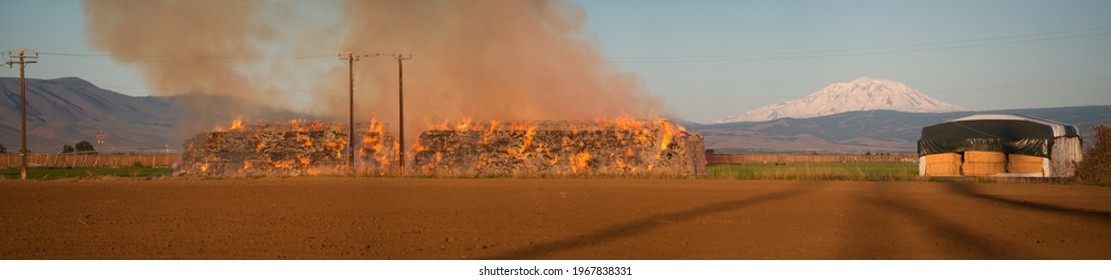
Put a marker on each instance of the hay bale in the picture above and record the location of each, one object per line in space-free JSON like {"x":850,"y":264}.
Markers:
{"x":947,"y":164}
{"x":981,"y":163}
{"x":1024,"y":164}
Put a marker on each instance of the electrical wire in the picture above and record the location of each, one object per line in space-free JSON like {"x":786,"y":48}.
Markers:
{"x":862,"y":51}
{"x":187,"y":58}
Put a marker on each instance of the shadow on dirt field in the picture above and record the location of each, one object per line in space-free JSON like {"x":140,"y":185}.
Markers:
{"x":968,"y":190}
{"x":645,"y":225}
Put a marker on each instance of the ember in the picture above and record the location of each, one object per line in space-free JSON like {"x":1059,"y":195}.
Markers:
{"x":622,"y":147}
{"x":287,"y":149}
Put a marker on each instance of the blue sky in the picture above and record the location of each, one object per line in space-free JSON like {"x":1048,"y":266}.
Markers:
{"x":711,"y":59}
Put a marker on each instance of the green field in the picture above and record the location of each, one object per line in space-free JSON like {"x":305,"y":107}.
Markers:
{"x":59,"y":173}
{"x":817,"y":171}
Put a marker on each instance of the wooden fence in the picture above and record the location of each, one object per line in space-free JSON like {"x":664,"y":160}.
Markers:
{"x":87,"y":160}
{"x":801,"y":158}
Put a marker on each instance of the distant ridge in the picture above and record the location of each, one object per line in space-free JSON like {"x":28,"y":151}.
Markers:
{"x":880,"y":130}
{"x":69,"y":110}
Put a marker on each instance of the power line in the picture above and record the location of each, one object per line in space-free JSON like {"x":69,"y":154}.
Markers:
{"x":188,"y":57}
{"x":929,"y":92}
{"x":922,"y":47}
{"x":861,"y":51}
{"x":1022,"y":85}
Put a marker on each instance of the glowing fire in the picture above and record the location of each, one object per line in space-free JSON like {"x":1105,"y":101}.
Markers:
{"x":669,"y":131}
{"x":464,"y":122}
{"x":529,"y":134}
{"x":304,"y":160}
{"x":237,"y":123}
{"x":627,"y":122}
{"x":486,"y":137}
{"x":580,"y":162}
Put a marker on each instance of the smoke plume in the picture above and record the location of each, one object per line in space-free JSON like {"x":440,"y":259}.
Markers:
{"x":515,"y":60}
{"x":490,"y":59}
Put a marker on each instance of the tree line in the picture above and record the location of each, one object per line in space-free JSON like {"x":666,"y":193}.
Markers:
{"x":83,"y":147}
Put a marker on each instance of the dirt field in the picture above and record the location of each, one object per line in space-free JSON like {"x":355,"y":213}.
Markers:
{"x":362,"y":218}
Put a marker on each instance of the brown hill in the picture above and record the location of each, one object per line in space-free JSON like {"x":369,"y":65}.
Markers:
{"x":69,"y":110}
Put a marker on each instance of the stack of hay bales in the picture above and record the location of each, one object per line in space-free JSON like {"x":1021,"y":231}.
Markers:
{"x":946,"y":164}
{"x":1024,"y":164}
{"x":983,"y":163}
{"x":622,"y":147}
{"x":288,"y":149}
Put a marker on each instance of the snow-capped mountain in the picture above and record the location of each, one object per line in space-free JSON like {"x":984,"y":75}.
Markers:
{"x":862,"y":94}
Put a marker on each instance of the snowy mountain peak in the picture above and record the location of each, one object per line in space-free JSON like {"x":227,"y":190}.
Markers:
{"x":861,"y":94}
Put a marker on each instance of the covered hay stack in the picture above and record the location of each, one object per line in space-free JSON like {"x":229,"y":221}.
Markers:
{"x":981,"y":163}
{"x":946,"y":164}
{"x":1024,"y":164}
{"x":560,"y":148}
{"x":1005,"y":145}
{"x":293,"y":148}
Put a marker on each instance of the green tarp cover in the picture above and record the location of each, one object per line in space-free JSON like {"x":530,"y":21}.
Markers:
{"x":1007,"y":136}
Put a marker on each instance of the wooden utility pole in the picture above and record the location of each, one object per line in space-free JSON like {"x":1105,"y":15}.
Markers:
{"x":351,"y":57}
{"x":401,"y":108}
{"x":23,"y":61}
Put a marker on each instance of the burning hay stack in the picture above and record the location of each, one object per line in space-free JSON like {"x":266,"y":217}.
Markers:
{"x":560,"y":148}
{"x":293,"y":148}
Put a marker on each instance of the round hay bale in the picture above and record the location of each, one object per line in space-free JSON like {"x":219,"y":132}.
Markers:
{"x":981,"y":163}
{"x":1023,"y":164}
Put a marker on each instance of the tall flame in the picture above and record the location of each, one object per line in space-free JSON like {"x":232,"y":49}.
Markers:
{"x":237,"y":123}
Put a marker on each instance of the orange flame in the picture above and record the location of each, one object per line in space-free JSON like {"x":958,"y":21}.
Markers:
{"x":627,"y":122}
{"x":580,"y":162}
{"x":282,"y":164}
{"x":486,"y":137}
{"x":529,"y":134}
{"x":237,"y":123}
{"x":464,"y":122}
{"x":246,"y":165}
{"x":669,"y":132}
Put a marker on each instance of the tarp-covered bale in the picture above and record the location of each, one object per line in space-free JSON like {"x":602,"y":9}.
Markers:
{"x":979,"y":163}
{"x":560,"y":148}
{"x":1024,"y":164}
{"x":293,"y":148}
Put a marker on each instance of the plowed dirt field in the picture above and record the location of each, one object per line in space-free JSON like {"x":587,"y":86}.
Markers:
{"x":409,"y":218}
